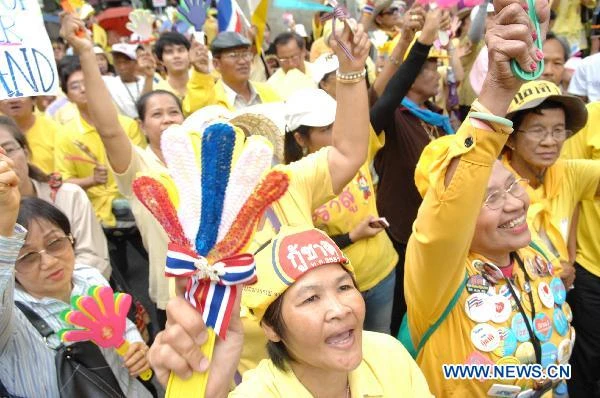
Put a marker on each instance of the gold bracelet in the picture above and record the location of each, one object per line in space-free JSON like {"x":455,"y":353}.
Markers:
{"x":351,"y":77}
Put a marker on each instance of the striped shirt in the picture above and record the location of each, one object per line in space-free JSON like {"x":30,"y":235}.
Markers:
{"x":26,"y":363}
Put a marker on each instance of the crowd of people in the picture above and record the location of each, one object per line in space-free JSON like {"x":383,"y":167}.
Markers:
{"x":454,"y":205}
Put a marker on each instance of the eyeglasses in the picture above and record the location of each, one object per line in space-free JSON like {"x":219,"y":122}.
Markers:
{"x":12,"y":151}
{"x":391,"y":11}
{"x":291,"y":58}
{"x":540,"y":133}
{"x":496,"y":199}
{"x":30,"y":261}
{"x":235,"y":56}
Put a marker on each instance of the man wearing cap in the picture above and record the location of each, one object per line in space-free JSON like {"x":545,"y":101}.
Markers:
{"x":127,"y":86}
{"x":232,"y":59}
{"x":585,"y":297}
{"x":295,"y":72}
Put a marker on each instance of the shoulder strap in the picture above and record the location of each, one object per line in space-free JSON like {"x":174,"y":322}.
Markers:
{"x":404,"y":334}
{"x":38,"y":323}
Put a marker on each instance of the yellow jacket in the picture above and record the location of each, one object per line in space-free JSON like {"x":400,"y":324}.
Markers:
{"x":439,"y":257}
{"x":202,"y":90}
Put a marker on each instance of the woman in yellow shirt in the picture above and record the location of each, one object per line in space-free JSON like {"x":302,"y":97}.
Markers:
{"x":313,"y":319}
{"x":478,"y":291}
{"x":543,"y":119}
{"x":351,"y":219}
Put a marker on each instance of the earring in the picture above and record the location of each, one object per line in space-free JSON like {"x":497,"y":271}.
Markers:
{"x":304,"y":151}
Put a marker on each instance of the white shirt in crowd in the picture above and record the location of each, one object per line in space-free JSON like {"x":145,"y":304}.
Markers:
{"x":125,"y":94}
{"x":586,"y":79}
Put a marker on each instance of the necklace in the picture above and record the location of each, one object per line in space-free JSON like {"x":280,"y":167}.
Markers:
{"x":348,"y":389}
{"x":432,"y":131}
{"x":137,"y":90}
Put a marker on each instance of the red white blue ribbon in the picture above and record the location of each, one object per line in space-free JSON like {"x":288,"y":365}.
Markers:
{"x":211,"y":288}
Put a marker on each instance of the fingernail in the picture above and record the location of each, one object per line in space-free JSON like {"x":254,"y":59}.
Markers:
{"x":202,"y":366}
{"x":534,"y":35}
{"x":533,"y":66}
{"x":525,"y":6}
{"x":539,"y":55}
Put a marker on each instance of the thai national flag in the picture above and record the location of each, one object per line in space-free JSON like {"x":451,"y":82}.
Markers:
{"x":230,"y":16}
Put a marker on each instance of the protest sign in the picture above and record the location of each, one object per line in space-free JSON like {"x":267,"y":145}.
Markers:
{"x":27,"y":65}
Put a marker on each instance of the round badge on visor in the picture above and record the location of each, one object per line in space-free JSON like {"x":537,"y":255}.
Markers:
{"x":519,"y":327}
{"x":477,"y":284}
{"x":560,"y":322}
{"x":525,"y":353}
{"x":542,"y":327}
{"x":502,"y":308}
{"x":507,"y":344}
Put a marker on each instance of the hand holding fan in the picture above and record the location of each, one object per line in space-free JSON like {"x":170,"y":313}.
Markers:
{"x":100,"y":317}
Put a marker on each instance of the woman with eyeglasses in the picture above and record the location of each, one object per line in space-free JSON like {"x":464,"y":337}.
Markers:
{"x":543,"y":119}
{"x":479,"y":290}
{"x":38,"y":269}
{"x":90,"y":243}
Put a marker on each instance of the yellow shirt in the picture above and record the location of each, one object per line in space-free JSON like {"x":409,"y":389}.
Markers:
{"x":552,"y":204}
{"x":203,"y":91}
{"x":163,"y":84}
{"x":437,"y":258}
{"x":586,"y":145}
{"x":153,"y":235}
{"x":103,"y":195}
{"x":41,"y":139}
{"x":310,"y":186}
{"x":386,"y":370}
{"x":372,"y":258}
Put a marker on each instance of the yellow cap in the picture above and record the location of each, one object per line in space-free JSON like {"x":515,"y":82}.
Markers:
{"x":293,"y":252}
{"x":534,"y":93}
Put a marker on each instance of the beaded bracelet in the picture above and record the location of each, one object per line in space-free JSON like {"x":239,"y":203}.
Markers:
{"x":351,"y":77}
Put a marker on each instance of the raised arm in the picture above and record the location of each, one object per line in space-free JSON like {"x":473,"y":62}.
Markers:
{"x":407,"y":73}
{"x":100,"y":105}
{"x":201,"y":85}
{"x":351,"y":126}
{"x":11,"y":240}
{"x":445,"y":224}
{"x":412,"y":22}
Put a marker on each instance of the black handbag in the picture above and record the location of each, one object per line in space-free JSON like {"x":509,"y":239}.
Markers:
{"x":81,"y":369}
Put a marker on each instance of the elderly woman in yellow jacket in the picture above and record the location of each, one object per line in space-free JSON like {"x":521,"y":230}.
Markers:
{"x":478,"y":290}
{"x":543,"y":119}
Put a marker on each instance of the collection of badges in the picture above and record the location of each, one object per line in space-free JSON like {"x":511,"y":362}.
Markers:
{"x":491,"y":306}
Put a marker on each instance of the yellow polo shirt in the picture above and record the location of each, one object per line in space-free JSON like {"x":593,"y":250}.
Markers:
{"x":552,"y":204}
{"x":103,"y":195}
{"x":438,"y":257}
{"x":372,"y":258}
{"x":202,"y":90}
{"x":586,"y":145}
{"x":41,"y":139}
{"x":386,"y":370}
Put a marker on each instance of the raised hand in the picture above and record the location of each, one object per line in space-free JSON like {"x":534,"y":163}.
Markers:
{"x":356,"y":42}
{"x":70,"y":30}
{"x":140,"y":22}
{"x":147,"y":64}
{"x":194,"y":11}
{"x":412,"y":22}
{"x":199,"y":57}
{"x":9,"y":195}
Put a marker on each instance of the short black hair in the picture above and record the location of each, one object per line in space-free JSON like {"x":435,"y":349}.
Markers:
{"x":284,"y":38}
{"x":519,"y":116}
{"x":68,"y":65}
{"x":169,"y":39}
{"x":563,"y":43}
{"x":273,"y":318}
{"x":33,"y":208}
{"x":34,"y":172}
{"x":141,"y":103}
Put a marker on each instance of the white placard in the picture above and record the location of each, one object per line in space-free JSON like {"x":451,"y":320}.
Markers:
{"x":27,"y":66}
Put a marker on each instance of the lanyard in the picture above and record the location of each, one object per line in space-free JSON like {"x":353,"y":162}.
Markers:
{"x":137,"y":90}
{"x":535,"y":341}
